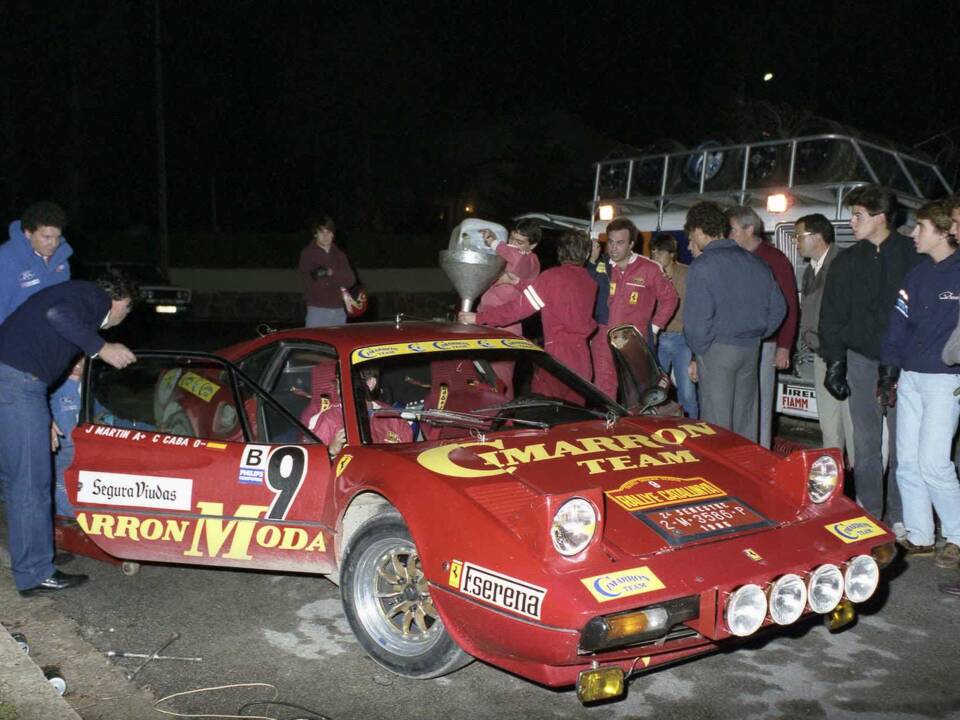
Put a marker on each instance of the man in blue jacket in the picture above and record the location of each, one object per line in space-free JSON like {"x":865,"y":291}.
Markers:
{"x":732,"y":303}
{"x":35,"y":257}
{"x":923,"y":388}
{"x":38,"y":344}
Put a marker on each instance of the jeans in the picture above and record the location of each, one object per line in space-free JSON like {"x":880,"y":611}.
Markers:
{"x":879,"y":497}
{"x":674,"y":354}
{"x":926,"y":421}
{"x":324,"y":317}
{"x":61,"y":461}
{"x":26,"y":464}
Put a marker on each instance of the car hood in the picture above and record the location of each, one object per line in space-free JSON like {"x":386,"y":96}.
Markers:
{"x":634,"y":467}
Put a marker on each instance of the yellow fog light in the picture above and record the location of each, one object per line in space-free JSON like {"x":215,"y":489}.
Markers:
{"x":166,"y":309}
{"x":599,"y":684}
{"x":884,"y":554}
{"x":841,"y":616}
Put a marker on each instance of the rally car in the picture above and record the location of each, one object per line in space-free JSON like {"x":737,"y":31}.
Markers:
{"x":513,"y":513}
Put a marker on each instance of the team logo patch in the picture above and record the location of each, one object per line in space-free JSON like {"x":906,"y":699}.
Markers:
{"x":342,"y":464}
{"x":196,"y":385}
{"x":621,"y":584}
{"x":855,"y":530}
{"x":497,"y":589}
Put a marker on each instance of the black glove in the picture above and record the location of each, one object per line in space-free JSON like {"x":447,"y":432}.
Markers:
{"x":887,"y":377}
{"x":319,"y":272}
{"x":835,"y":381}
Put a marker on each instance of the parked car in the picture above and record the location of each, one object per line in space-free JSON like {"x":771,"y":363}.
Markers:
{"x":156,"y":291}
{"x":520,"y":516}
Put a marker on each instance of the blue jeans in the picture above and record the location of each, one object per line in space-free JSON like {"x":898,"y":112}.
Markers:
{"x":26,"y":464}
{"x":927,"y":417}
{"x":325,"y":317}
{"x":61,"y":461}
{"x":674,"y":353}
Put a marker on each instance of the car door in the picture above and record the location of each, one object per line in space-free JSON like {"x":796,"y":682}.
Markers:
{"x":181,"y":458}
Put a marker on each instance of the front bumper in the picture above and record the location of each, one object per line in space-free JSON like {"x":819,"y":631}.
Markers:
{"x":549,"y":651}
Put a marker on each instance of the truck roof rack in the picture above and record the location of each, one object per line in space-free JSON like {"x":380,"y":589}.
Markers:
{"x":813,"y":169}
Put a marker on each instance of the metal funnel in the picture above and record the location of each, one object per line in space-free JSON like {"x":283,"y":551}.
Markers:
{"x":471,"y":272}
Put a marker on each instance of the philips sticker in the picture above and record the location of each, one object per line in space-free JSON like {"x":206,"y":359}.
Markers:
{"x":147,"y":491}
{"x":621,"y":584}
{"x":497,"y":589}
{"x":855,"y":530}
{"x":253,"y":464}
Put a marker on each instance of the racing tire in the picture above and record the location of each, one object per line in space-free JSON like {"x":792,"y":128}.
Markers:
{"x":821,"y":161}
{"x":387,"y":602}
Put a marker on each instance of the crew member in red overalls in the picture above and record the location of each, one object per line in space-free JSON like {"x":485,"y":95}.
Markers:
{"x":640,"y":295}
{"x":564,"y":296}
{"x":521,"y":269}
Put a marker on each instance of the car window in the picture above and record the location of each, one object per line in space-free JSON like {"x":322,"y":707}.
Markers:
{"x":428,"y":396}
{"x":189,"y":396}
{"x":255,"y":365}
{"x":307,"y":385}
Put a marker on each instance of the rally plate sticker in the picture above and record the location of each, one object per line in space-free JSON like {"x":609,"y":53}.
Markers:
{"x":687,"y":523}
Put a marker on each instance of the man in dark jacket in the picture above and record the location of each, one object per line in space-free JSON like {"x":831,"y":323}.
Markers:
{"x":746,"y":229}
{"x":39,"y":343}
{"x":859,"y":295}
{"x":326,"y":273}
{"x":732,"y":303}
{"x":814,"y":240}
{"x":923,"y":318}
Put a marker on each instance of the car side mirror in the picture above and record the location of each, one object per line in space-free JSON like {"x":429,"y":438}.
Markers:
{"x":638,"y":374}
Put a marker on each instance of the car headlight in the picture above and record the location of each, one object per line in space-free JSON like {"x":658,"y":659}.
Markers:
{"x":825,"y":588}
{"x":822,"y":478}
{"x":573,"y":526}
{"x":861,"y":578}
{"x":746,"y":610}
{"x":788,"y":598}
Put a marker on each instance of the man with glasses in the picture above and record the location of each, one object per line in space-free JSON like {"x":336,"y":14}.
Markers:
{"x":859,"y":294}
{"x":814,"y":242}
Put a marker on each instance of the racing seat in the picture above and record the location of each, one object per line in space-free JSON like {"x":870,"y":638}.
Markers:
{"x":456,"y":385}
{"x":323,"y":390}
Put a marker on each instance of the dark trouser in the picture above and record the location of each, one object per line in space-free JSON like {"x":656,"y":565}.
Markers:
{"x":728,"y":387}
{"x":27,"y":467}
{"x":867,"y":419}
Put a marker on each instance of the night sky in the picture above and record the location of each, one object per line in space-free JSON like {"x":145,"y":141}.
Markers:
{"x":389,"y":115}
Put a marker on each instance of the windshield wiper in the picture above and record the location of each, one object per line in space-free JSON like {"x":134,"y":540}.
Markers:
{"x":544,"y":402}
{"x":453,"y":418}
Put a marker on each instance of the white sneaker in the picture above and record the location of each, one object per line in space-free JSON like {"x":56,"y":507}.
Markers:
{"x":900,"y":530}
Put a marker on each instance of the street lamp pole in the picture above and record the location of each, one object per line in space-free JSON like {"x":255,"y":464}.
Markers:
{"x":161,"y":144}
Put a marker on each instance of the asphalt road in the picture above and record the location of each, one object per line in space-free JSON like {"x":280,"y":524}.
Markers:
{"x":900,"y":660}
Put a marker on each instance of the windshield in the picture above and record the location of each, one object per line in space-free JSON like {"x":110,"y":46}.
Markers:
{"x":455,"y":393}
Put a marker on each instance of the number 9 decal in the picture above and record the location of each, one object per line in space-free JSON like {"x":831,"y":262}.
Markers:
{"x":286,"y":469}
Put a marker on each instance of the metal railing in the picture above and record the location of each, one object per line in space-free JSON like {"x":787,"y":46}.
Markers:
{"x":829,"y":162}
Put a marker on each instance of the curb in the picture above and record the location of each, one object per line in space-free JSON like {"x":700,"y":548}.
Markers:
{"x":23,"y":685}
